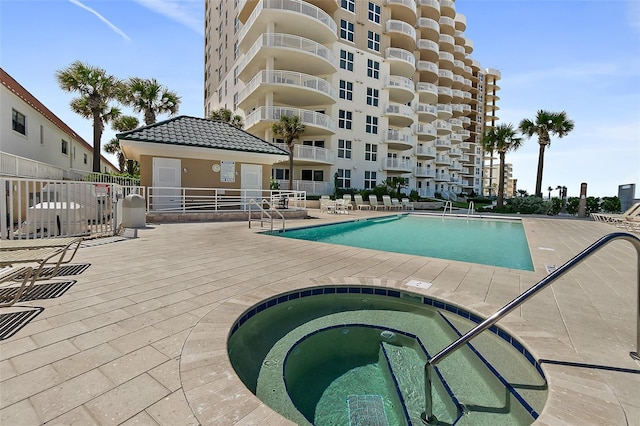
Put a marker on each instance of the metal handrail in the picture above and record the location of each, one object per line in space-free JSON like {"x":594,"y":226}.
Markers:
{"x":264,"y":212}
{"x":542,"y":284}
{"x":448,"y":203}
{"x":471,"y":210}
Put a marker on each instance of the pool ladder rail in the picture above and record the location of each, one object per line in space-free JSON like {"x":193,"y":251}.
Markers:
{"x":264,"y":213}
{"x":429,"y":418}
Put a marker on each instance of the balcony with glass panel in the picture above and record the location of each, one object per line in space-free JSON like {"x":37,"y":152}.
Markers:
{"x":400,"y":89}
{"x":426,"y":112}
{"x":403,"y":10}
{"x":445,"y":94}
{"x":424,"y":172}
{"x":261,"y":119}
{"x":443,"y":177}
{"x":447,"y":43}
{"x":442,"y":160}
{"x":429,"y":8}
{"x":399,"y":115}
{"x":427,"y":92}
{"x":429,"y":29}
{"x":428,"y":71}
{"x":448,"y":8}
{"x":442,"y":144}
{"x":461,"y":22}
{"x":290,"y":52}
{"x":447,"y":25}
{"x":428,"y":50}
{"x":426,"y":132}
{"x":288,"y":88}
{"x":457,"y":96}
{"x":443,"y":128}
{"x":456,"y":124}
{"x":295,"y":17}
{"x":445,"y":61}
{"x":455,"y":152}
{"x":397,"y":165}
{"x":399,"y":140}
{"x":425,"y":151}
{"x":444,"y":111}
{"x":445,"y":77}
{"x":402,"y":34}
{"x":401,"y":62}
{"x":309,"y":155}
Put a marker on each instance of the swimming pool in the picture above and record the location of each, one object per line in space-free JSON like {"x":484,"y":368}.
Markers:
{"x":326,"y":355}
{"x":489,"y":242}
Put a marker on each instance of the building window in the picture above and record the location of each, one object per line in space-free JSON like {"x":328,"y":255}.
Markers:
{"x":346,"y":30}
{"x":18,"y":122}
{"x":346,"y":90}
{"x":372,"y":125}
{"x":312,"y":175}
{"x":236,"y":24}
{"x":373,"y":41}
{"x":344,"y":178}
{"x":373,"y":68}
{"x":235,"y":50}
{"x":317,"y":144}
{"x":235,"y":75}
{"x":344,"y":119}
{"x":85,"y":158}
{"x":346,"y":60}
{"x":349,"y":5}
{"x":280,"y":174}
{"x":374,"y":13}
{"x":344,"y":149}
{"x":370,"y":179}
{"x":370,"y":152}
{"x":65,"y":147}
{"x":372,"y":96}
{"x":41,"y":134}
{"x":235,"y":101}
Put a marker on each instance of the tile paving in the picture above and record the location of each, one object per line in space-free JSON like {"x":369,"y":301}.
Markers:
{"x":141,"y":336}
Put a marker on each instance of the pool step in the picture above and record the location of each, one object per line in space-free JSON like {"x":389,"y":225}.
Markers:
{"x":407,"y":370}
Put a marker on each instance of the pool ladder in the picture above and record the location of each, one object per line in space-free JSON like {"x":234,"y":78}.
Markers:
{"x":429,"y":418}
{"x":264,"y":213}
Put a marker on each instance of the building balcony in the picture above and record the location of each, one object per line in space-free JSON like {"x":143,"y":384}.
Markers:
{"x":458,"y":52}
{"x":445,"y":61}
{"x":423,"y":151}
{"x":443,"y":144}
{"x":457,"y":96}
{"x":429,"y":9}
{"x":444,"y":111}
{"x":468,"y":71}
{"x":429,"y":29}
{"x":428,"y":71}
{"x":455,"y":166}
{"x":442,"y":160}
{"x":402,"y":34}
{"x":428,"y":50}
{"x":288,"y":88}
{"x":456,"y":124}
{"x":442,"y":177}
{"x":290,"y":52}
{"x":401,"y":62}
{"x":464,"y":133}
{"x":426,"y":132}
{"x":403,"y":10}
{"x":461,"y":22}
{"x":447,"y":25}
{"x":397,"y":165}
{"x":261,"y":119}
{"x":466,"y":84}
{"x":427,"y":92}
{"x":312,"y":187}
{"x":448,"y":8}
{"x":468,"y":46}
{"x":308,"y":155}
{"x":455,"y":138}
{"x":399,"y":140}
{"x":295,"y":17}
{"x":400,"y":89}
{"x":447,"y":43}
{"x":458,"y":67}
{"x":426,"y":112}
{"x":455,"y":152}
{"x":443,"y":128}
{"x":399,"y":115}
{"x":445,"y":94}
{"x":424,"y":172}
{"x":445,"y":77}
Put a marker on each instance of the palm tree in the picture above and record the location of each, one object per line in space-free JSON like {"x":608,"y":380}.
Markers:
{"x":96,"y":89}
{"x":123,"y":123}
{"x":501,"y":139}
{"x":150,"y":98}
{"x":289,"y":128}
{"x":545,"y":124}
{"x":550,"y":189}
{"x":225,"y":114}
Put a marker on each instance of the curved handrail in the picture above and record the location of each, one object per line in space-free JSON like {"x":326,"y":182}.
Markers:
{"x":542,"y":284}
{"x":264,"y":212}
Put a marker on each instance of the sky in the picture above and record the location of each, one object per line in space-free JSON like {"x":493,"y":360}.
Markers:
{"x":577,"y":56}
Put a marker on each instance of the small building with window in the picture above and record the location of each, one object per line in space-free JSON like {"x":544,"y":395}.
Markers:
{"x":34,"y":142}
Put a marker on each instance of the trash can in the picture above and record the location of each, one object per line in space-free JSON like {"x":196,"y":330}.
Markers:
{"x":133,"y":211}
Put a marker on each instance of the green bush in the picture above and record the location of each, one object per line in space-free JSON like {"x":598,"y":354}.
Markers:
{"x":611,"y":205}
{"x":531,"y":205}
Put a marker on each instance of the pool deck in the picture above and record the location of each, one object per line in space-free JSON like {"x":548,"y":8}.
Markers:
{"x":140,"y":337}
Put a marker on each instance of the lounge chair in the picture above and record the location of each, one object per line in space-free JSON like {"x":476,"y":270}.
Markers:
{"x":44,"y":256}
{"x":340,"y":206}
{"x":373,"y":202}
{"x":327,"y":205}
{"x":406,"y":204}
{"x":11,"y":276}
{"x":67,"y":242}
{"x":348,"y":201}
{"x":360,"y":204}
{"x":386,"y":200}
{"x":633,"y":211}
{"x":396,"y":204}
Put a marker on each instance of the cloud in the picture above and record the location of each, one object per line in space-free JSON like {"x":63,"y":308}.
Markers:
{"x":102,"y":18}
{"x":187,"y":12}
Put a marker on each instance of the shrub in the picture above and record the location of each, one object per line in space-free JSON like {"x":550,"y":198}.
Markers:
{"x":531,"y":205}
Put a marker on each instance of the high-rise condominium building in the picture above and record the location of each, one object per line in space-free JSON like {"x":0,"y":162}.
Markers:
{"x":384,"y":87}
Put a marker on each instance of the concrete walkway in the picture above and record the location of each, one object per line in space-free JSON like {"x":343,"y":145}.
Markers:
{"x":140,"y":338}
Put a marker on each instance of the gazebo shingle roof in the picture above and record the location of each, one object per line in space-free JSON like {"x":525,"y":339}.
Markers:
{"x":200,"y":132}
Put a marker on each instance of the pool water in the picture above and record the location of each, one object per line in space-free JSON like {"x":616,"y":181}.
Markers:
{"x":500,"y":243}
{"x":314,"y":355}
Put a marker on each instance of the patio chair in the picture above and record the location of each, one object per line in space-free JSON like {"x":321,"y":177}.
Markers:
{"x":406,"y":204}
{"x":633,"y":211}
{"x":340,"y":206}
{"x":68,"y":242}
{"x":360,"y":204}
{"x":396,"y":204}
{"x":373,"y":202}
{"x":327,"y":205}
{"x":11,"y":275}
{"x":386,"y":200}
{"x":50,"y":257}
{"x":348,"y":201}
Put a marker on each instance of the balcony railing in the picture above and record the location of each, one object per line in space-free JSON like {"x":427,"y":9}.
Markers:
{"x":404,"y":28}
{"x":427,"y":130}
{"x":309,"y":187}
{"x":399,"y":82}
{"x":309,"y":118}
{"x":292,"y":78}
{"x":309,"y":153}
{"x":404,"y":55}
{"x":398,"y":164}
{"x":428,"y":23}
{"x":424,"y":172}
{"x":425,"y":151}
